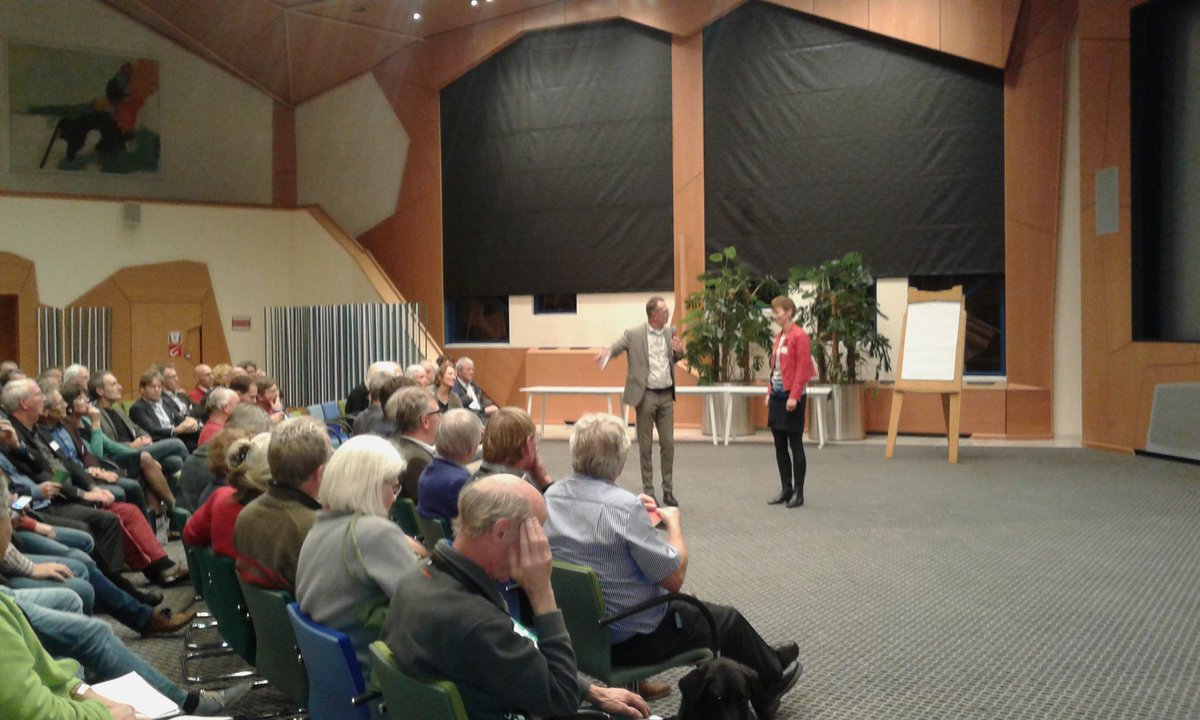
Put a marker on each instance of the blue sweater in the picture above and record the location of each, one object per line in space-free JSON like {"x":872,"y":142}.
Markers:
{"x":438,"y":489}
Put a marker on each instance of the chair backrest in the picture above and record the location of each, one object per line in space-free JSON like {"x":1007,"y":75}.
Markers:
{"x":408,"y":698}
{"x":228,"y":606}
{"x":334,"y":675}
{"x":432,"y":530}
{"x":577,"y":590}
{"x":278,"y":657}
{"x":331,"y":411}
{"x":179,"y":519}
{"x":404,"y":514}
{"x":316,"y":411}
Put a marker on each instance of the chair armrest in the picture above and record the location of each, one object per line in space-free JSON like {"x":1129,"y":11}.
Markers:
{"x":661,"y":599}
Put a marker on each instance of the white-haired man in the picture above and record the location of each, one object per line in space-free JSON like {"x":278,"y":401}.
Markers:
{"x":594,"y":522}
{"x":468,"y":391}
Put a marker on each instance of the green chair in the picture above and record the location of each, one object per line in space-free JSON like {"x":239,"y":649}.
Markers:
{"x":432,"y":530}
{"x":278,"y":660}
{"x":199,"y":571}
{"x":577,"y":590}
{"x":407,"y":698}
{"x":404,"y":514}
{"x":228,"y":606}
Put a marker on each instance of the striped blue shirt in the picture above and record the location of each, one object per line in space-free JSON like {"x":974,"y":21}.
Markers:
{"x":593,"y":522}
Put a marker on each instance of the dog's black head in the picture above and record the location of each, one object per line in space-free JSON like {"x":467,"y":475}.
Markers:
{"x":723,"y":689}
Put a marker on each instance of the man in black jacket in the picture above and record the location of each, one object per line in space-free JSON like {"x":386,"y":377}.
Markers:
{"x":159,"y":417}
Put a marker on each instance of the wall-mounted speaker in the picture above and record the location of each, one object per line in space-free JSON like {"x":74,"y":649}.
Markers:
{"x":132,"y":213}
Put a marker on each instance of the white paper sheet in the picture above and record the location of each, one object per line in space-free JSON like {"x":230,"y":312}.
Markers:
{"x":132,"y":689}
{"x":930,"y":349}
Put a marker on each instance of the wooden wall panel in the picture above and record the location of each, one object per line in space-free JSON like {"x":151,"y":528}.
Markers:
{"x":855,"y":13}
{"x":283,"y":190}
{"x":19,"y":277}
{"x":687,"y":137}
{"x":914,"y":21}
{"x":1033,"y":131}
{"x":165,"y":283}
{"x":973,"y":29}
{"x":1119,"y":375}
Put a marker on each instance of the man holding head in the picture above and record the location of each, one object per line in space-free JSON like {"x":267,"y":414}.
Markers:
{"x":453,"y":603}
{"x":594,"y":522}
{"x":653,"y":349}
{"x":270,"y":530}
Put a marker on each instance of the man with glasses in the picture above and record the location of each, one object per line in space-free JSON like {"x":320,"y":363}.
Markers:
{"x":415,"y":414}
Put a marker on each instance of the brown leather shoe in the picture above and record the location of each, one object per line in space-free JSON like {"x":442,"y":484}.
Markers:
{"x":175,"y":575}
{"x":651,"y":691}
{"x":166,"y":622}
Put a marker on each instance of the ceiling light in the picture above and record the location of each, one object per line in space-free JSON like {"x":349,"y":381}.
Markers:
{"x":474,"y":3}
{"x":417,"y":17}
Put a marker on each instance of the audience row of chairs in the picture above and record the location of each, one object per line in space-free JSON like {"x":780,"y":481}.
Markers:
{"x":316,"y":668}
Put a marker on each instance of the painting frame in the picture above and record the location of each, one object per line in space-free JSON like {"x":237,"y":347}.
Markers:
{"x":82,"y":111}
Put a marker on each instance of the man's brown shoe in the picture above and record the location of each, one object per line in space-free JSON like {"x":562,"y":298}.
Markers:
{"x":651,"y":691}
{"x":165,"y":622}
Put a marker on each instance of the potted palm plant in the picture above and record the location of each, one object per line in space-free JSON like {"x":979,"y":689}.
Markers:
{"x":839,"y":316}
{"x":724,"y":323}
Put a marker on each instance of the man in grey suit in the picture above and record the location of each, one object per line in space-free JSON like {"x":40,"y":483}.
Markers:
{"x":653,"y":349}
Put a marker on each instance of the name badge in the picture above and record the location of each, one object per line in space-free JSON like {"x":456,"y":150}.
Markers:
{"x":54,"y":445}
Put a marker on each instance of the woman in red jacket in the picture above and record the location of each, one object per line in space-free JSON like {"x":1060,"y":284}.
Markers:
{"x":791,"y":369}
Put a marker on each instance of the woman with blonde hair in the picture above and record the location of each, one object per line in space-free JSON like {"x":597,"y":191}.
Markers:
{"x":354,"y":555}
{"x":249,"y":475}
{"x":220,"y":374}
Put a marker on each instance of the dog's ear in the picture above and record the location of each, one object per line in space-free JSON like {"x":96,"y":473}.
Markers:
{"x":760,"y":700}
{"x":690,"y":687}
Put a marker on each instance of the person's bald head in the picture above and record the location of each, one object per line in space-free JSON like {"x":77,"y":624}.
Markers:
{"x":491,"y":511}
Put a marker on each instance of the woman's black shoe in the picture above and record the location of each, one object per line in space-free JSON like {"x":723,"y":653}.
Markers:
{"x":781,"y":498}
{"x":796,"y":501}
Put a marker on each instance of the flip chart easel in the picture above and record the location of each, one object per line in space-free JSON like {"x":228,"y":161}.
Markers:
{"x":931,"y":358}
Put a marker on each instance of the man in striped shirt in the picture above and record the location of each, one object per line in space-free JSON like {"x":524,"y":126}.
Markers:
{"x":593,"y":522}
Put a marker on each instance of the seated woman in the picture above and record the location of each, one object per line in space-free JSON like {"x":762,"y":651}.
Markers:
{"x":457,"y":439}
{"x":444,"y":392}
{"x":249,"y":475}
{"x":270,"y":401}
{"x":353,"y":557}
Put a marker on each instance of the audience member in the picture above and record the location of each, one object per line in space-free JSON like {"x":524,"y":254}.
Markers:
{"x":444,"y":382}
{"x":246,"y":387}
{"x":220,"y":403}
{"x":248,"y":474}
{"x":106,"y":392}
{"x":221,"y":375}
{"x":173,"y":395}
{"x":198,"y":480}
{"x":353,"y":556}
{"x":457,"y":439}
{"x":469,"y":393}
{"x":270,"y":401}
{"x":416,"y":371}
{"x":10,"y":371}
{"x":76,"y":373}
{"x":414,"y":413}
{"x":270,"y":530}
{"x":359,"y":397}
{"x":594,"y":522}
{"x":510,"y":446}
{"x":204,"y":383}
{"x":366,"y":420}
{"x":162,"y":418}
{"x":50,"y":375}
{"x":448,"y":621}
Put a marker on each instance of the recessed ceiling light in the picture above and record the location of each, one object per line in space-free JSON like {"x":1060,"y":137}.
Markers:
{"x":474,"y":3}
{"x":417,"y":16}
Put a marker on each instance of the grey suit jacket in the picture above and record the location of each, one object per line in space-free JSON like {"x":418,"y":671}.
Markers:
{"x":634,"y":342}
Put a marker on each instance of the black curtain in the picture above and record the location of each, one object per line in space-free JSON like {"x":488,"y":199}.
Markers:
{"x":556,"y":166}
{"x":820,"y":139}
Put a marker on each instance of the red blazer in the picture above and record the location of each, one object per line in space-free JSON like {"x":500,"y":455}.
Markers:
{"x":795,"y":361}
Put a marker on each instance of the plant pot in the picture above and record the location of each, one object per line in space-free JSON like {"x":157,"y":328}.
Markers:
{"x":844,"y":414}
{"x":740,"y":424}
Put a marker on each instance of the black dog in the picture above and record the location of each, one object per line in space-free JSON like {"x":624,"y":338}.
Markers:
{"x":723,"y":689}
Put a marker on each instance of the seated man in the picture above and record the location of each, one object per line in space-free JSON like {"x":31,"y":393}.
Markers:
{"x":204,"y":383}
{"x":457,"y":439}
{"x":594,"y":522}
{"x":246,"y":387}
{"x":366,"y":420}
{"x":359,"y":398}
{"x":415,"y":414}
{"x":162,"y":420}
{"x":106,"y":392}
{"x":510,"y":445}
{"x":468,"y":391}
{"x":440,"y":608}
{"x":270,"y":530}
{"x":220,"y":404}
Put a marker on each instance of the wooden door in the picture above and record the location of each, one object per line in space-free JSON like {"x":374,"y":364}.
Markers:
{"x":157,"y":328}
{"x":10,"y":340}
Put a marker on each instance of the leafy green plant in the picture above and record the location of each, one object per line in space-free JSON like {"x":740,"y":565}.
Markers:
{"x":725,"y":321}
{"x":840,"y":318}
